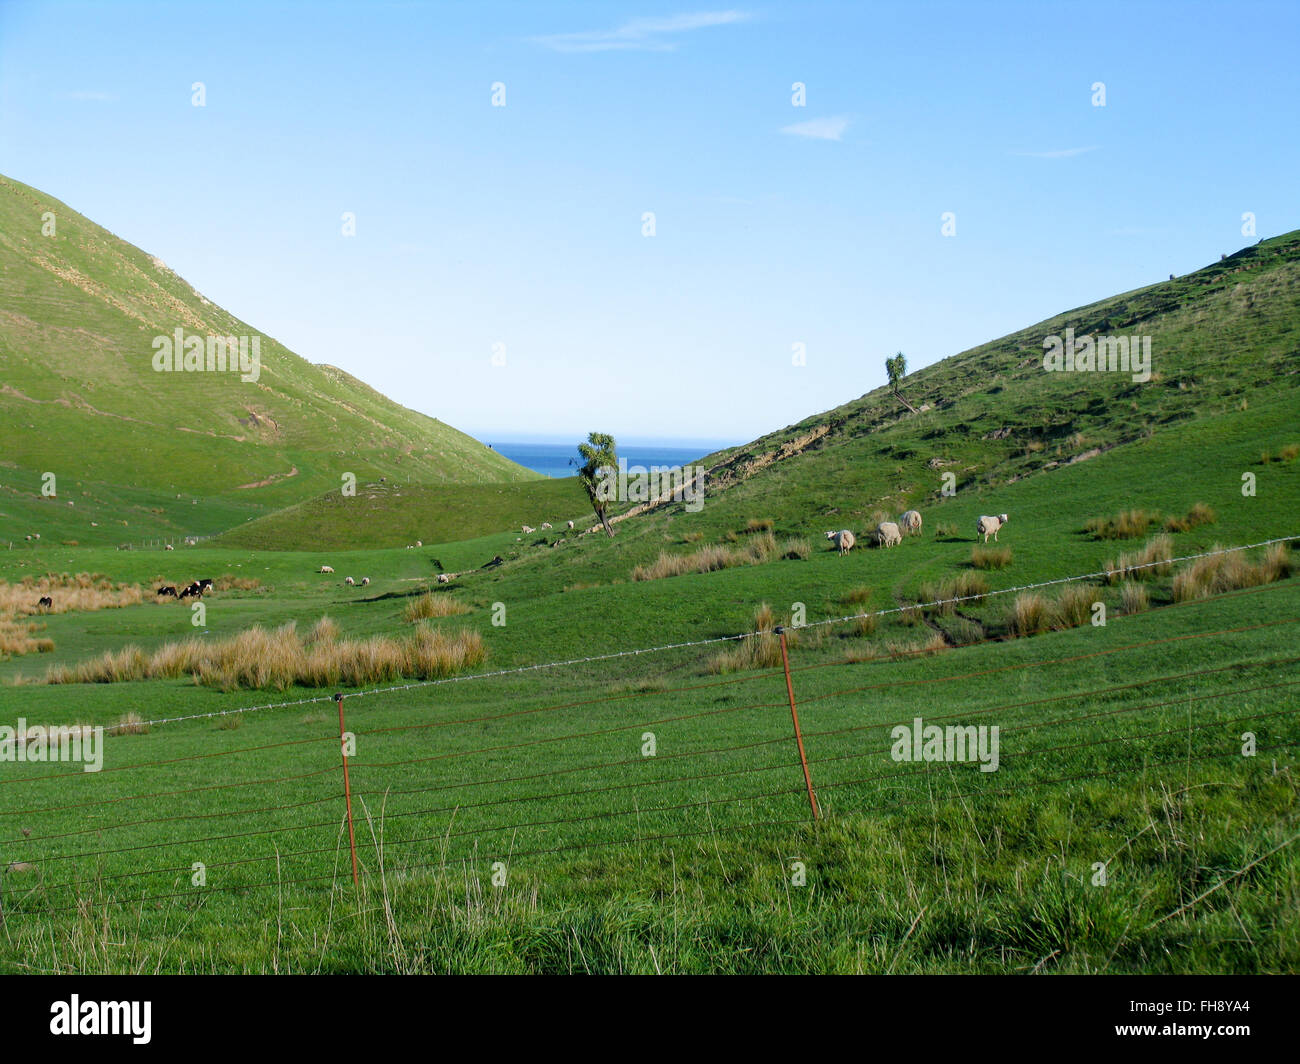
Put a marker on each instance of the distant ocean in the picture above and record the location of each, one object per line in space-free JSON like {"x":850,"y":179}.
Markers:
{"x":552,"y":459}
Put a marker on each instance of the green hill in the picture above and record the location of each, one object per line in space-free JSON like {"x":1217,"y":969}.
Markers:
{"x":1222,"y":338}
{"x":141,"y":452}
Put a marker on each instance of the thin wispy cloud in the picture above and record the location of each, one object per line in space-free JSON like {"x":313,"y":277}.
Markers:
{"x":1064,"y":153}
{"x":819,"y":128}
{"x":641,"y":34}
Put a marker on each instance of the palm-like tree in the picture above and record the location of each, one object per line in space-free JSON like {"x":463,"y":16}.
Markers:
{"x":600,"y":460}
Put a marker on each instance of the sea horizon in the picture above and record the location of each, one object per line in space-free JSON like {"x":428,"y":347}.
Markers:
{"x":551,"y":457}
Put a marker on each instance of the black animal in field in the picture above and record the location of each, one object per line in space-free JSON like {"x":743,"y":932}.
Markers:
{"x":163,"y":592}
{"x":45,"y":603}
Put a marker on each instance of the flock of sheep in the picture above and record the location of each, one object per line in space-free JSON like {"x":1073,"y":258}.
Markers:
{"x":890,"y":533}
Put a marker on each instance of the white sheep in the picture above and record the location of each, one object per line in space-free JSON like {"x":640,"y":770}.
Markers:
{"x":888,"y":534}
{"x":843,"y":540}
{"x":570,"y":526}
{"x":989,"y":526}
{"x":349,"y":581}
{"x":910,"y":523}
{"x":365,"y":580}
{"x":419,"y":543}
{"x":529,"y":530}
{"x":169,"y":547}
{"x":546,"y":524}
{"x":327,"y":568}
{"x":444,"y":578}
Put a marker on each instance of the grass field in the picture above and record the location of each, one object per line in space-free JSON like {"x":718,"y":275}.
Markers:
{"x":1120,"y":745}
{"x":582,"y":801}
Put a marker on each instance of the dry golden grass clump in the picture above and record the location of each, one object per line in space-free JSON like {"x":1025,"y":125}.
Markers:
{"x":431,"y":605}
{"x":990,"y":557}
{"x":82,"y":591}
{"x":1074,"y":606}
{"x":795,"y":549}
{"x":19,"y":637}
{"x":899,"y":649}
{"x":130,"y":724}
{"x":970,"y":586}
{"x":758,"y":524}
{"x":759,"y":651}
{"x":1152,"y":560}
{"x":260,"y":658}
{"x":1128,"y":524}
{"x":1133,"y":598}
{"x":761,"y":548}
{"x":1029,"y":615}
{"x":1230,"y":572}
{"x":231,"y":582}
{"x":1284,"y":454}
{"x":1198,"y":515}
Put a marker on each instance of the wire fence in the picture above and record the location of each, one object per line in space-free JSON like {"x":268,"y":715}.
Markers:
{"x":502,"y":774}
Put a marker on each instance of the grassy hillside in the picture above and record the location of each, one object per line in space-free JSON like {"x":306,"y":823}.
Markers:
{"x":1222,"y":339}
{"x":380,"y":516}
{"x":135,"y":449}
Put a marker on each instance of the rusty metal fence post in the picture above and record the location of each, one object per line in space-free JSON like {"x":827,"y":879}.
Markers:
{"x":794,"y":716}
{"x":347,"y":788}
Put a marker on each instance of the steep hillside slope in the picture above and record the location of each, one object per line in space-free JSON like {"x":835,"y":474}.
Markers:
{"x":80,"y":396}
{"x":1222,"y":338}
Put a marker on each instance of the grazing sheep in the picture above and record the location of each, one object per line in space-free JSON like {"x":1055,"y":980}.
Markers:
{"x":419,"y":543}
{"x":570,"y":526}
{"x":169,"y":547}
{"x":365,"y":581}
{"x":843,"y":540}
{"x":327,"y":568}
{"x":888,"y":534}
{"x":349,"y":581}
{"x":910,"y":523}
{"x":546,"y":524}
{"x":989,"y":526}
{"x":444,"y":578}
{"x":529,"y":530}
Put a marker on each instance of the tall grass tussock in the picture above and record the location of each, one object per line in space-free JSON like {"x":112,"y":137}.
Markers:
{"x":259,"y":658}
{"x":761,"y":548}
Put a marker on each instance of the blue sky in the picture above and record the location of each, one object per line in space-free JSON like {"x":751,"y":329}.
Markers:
{"x":775,"y":225}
